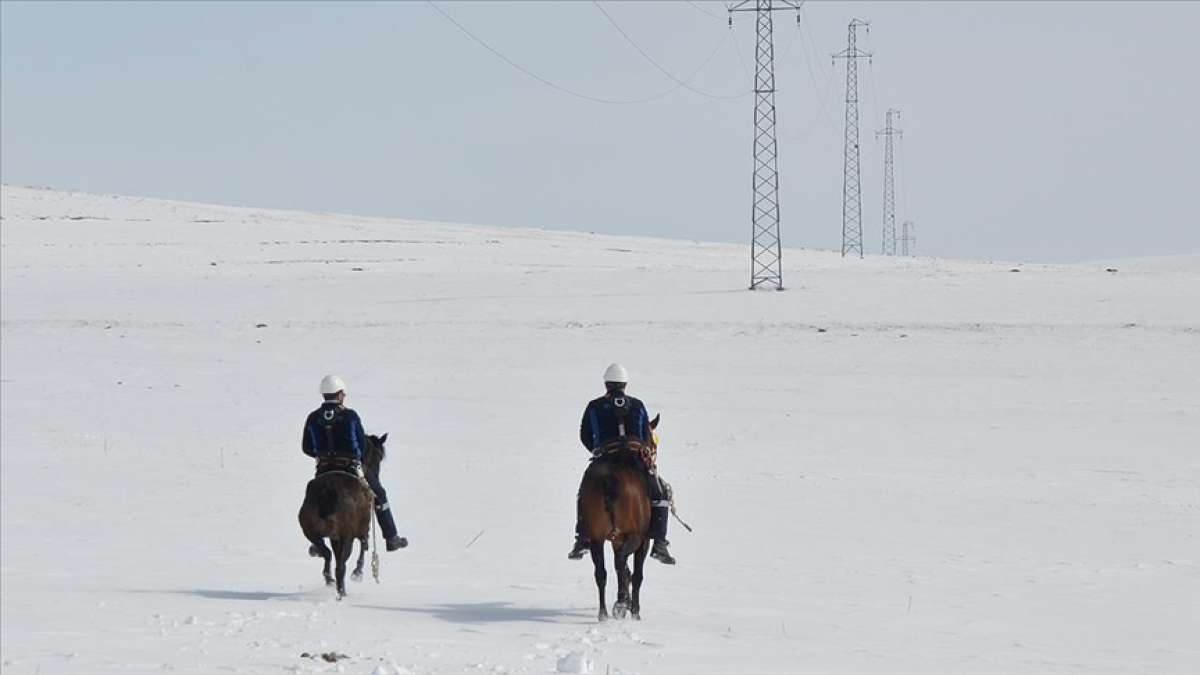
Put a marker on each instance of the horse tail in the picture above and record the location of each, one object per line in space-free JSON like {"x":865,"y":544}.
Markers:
{"x":327,"y":501}
{"x":610,"y":488}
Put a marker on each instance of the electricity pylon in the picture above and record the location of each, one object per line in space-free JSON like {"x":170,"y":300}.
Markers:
{"x":889,"y":183}
{"x":908,"y":238}
{"x":851,"y":176}
{"x":766,"y":256}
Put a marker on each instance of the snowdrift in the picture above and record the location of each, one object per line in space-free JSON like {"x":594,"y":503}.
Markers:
{"x":898,"y":465}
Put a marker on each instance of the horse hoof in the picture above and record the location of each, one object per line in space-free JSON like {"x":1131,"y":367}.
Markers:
{"x":637,"y":616}
{"x":602,"y":618}
{"x":329,"y":581}
{"x":356,"y":575}
{"x":619,"y":611}
{"x":313,"y":552}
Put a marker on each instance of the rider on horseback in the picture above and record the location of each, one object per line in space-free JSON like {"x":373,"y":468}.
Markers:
{"x":334,"y":435}
{"x":610,"y":423}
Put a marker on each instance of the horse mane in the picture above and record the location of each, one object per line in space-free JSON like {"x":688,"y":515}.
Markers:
{"x":374,"y":455}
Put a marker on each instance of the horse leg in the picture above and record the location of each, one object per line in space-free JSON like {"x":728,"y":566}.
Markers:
{"x":320,"y":550}
{"x":357,"y":574}
{"x":341,"y":551}
{"x":597,"y":550}
{"x":621,"y":562}
{"x":639,"y":562}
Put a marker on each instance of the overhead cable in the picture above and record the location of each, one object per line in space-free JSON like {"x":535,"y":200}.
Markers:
{"x":539,"y":78}
{"x":558,"y":87}
{"x":682,"y":83}
{"x":705,"y":11}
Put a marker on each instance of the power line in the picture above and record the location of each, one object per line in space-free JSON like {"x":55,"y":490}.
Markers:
{"x":810,"y":53}
{"x":822,"y":114}
{"x":704,"y":11}
{"x":872,"y":88}
{"x":821,"y":92}
{"x":808,"y":62}
{"x":682,"y":83}
{"x":587,"y":97}
{"x":741,"y":59}
{"x":807,"y":31}
{"x":791,"y":43}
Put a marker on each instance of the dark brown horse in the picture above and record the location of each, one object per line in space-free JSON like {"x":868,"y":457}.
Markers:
{"x":337,"y":506}
{"x":614,"y":502}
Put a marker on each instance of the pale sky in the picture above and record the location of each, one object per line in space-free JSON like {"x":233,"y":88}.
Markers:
{"x":1032,"y":131}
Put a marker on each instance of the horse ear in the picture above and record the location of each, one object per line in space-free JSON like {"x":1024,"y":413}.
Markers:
{"x":654,"y":422}
{"x":383,"y":439}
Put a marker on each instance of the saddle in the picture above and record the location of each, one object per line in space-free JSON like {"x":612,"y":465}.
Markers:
{"x":345,"y":466}
{"x":631,"y":448}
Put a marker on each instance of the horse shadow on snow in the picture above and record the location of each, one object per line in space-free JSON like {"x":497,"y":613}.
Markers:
{"x":461,"y":613}
{"x":215,"y":594}
{"x":491,"y":612}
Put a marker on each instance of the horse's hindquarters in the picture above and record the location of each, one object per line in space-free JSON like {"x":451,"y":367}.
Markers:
{"x":614,"y":503}
{"x":336,"y":505}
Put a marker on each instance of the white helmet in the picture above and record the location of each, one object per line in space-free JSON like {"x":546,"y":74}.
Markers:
{"x":332,"y":384}
{"x":616,"y":373}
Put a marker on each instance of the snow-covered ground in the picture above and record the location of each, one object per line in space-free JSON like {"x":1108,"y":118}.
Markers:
{"x":897,"y":466}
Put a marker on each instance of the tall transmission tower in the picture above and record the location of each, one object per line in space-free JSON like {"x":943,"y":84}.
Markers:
{"x":908,"y":238}
{"x":766,"y":257}
{"x":889,"y":183}
{"x":851,"y":177}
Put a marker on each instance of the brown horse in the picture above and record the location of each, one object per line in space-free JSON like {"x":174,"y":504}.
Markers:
{"x":614,"y":502}
{"x":337,"y":505}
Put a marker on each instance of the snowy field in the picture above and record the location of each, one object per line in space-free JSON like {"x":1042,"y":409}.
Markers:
{"x":897,"y":466}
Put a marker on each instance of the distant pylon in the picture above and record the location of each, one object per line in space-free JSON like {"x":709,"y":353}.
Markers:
{"x":851,"y":178}
{"x":766,"y":256}
{"x":889,"y":182}
{"x":908,"y":238}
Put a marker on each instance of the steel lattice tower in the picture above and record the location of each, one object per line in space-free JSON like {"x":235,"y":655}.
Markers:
{"x":907,"y":239}
{"x":766,"y":257}
{"x":889,"y":183}
{"x":851,"y":176}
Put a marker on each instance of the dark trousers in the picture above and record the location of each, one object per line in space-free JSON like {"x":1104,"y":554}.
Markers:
{"x":383,"y":510}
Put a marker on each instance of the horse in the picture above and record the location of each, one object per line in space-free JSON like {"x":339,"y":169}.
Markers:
{"x":614,"y":503}
{"x":337,"y":505}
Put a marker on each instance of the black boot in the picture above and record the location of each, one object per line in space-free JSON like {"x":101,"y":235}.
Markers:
{"x":581,"y":545}
{"x":383,"y":513}
{"x":660,"y":553}
{"x":658,"y":531}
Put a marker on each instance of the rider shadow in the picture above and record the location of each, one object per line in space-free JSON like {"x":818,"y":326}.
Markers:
{"x":493,"y":612}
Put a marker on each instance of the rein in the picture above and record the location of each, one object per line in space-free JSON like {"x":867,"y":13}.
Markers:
{"x":343,"y":472}
{"x":646,"y":451}
{"x":375,"y":543}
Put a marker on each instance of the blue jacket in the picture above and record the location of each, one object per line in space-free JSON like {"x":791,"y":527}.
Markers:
{"x":602,"y":421}
{"x":333,"y":431}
